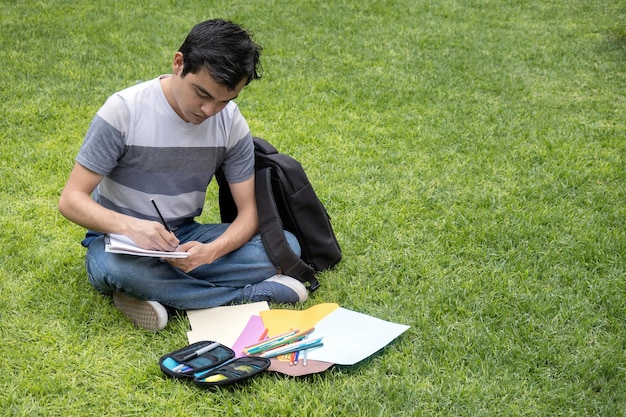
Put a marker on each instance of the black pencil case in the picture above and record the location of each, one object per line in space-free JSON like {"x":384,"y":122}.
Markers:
{"x":232,"y":372}
{"x":185,"y":363}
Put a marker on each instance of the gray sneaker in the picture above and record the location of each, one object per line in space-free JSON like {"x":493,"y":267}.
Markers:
{"x":279,"y":288}
{"x":150,"y":315}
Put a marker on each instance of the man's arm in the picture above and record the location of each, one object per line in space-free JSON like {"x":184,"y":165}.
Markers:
{"x":77,"y":205}
{"x":239,"y":232}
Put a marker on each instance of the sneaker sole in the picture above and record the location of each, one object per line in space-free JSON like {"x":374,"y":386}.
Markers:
{"x":150,"y":315}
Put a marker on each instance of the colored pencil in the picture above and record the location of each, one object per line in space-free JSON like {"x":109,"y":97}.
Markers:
{"x":272,"y":344}
{"x":294,"y":347}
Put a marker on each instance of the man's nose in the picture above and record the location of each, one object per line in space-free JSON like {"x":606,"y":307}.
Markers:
{"x":210,"y":109}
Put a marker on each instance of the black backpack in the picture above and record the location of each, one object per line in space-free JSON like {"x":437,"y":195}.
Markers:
{"x":286,"y":200}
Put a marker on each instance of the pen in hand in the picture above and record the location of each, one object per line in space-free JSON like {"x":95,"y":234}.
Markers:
{"x":160,"y":216}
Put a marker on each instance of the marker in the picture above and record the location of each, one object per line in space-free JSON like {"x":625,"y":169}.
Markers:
{"x":182,"y":368}
{"x":201,"y":351}
{"x":215,"y":378}
{"x":201,"y":374}
{"x":246,"y":368}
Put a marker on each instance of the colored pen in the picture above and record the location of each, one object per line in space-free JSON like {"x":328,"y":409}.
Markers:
{"x":305,"y":354}
{"x":201,"y":351}
{"x":179,"y":367}
{"x":206,"y":371}
{"x":182,"y":368}
{"x":271,"y":339}
{"x":160,"y":216}
{"x":283,"y":341}
{"x":274,"y":345}
{"x":269,"y":343}
{"x":270,"y":354}
{"x":292,"y":348}
{"x":263,"y":336}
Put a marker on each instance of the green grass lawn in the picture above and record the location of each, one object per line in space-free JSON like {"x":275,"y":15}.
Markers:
{"x":471,"y":154}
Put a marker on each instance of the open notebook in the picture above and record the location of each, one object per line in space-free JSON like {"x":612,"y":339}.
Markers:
{"x":115,"y":243}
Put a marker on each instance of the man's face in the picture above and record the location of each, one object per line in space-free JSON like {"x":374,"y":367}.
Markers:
{"x":197,"y":96}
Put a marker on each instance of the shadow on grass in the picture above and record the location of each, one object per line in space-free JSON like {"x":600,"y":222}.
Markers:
{"x":617,"y":38}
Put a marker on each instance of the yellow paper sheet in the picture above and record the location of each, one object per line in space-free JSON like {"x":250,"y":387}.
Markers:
{"x":280,"y":321}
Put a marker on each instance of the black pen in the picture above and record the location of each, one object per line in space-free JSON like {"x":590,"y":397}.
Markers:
{"x":160,"y":216}
{"x":201,"y":351}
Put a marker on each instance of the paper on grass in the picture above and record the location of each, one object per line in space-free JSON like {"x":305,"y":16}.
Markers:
{"x":280,"y":321}
{"x":222,"y":324}
{"x":350,"y":337}
{"x":250,"y":335}
{"x":312,"y":367}
{"x":121,"y":244}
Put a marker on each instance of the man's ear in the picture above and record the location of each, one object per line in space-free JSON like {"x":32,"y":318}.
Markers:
{"x":178,"y":63}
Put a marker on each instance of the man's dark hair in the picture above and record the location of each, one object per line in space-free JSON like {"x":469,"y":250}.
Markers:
{"x":225,"y":49}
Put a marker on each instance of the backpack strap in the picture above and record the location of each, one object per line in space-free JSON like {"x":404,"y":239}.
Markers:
{"x":273,"y":236}
{"x":261,"y":146}
{"x":228,"y":209}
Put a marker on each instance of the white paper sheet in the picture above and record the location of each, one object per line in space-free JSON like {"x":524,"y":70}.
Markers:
{"x":222,"y":324}
{"x":350,"y":337}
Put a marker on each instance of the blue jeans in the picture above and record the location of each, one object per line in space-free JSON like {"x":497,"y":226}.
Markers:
{"x":219,"y":283}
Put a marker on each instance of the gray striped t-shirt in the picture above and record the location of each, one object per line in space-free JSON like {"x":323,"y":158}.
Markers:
{"x":146,"y":151}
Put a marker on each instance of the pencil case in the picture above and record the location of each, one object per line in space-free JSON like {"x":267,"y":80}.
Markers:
{"x":198,"y":357}
{"x":232,"y":372}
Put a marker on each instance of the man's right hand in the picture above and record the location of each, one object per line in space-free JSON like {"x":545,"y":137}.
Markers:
{"x":151,"y":235}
